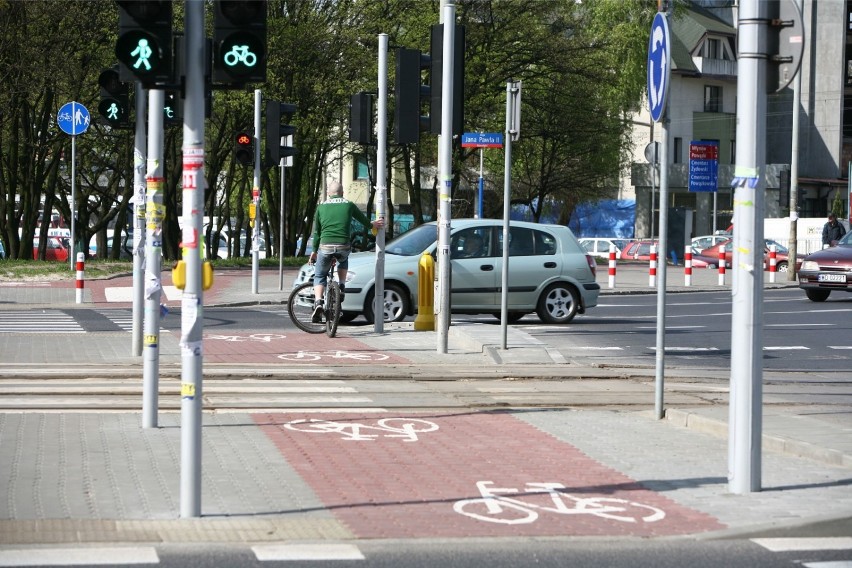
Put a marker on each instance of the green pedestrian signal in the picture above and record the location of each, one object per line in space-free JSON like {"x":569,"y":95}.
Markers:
{"x":114,"y":106}
{"x":144,"y":46}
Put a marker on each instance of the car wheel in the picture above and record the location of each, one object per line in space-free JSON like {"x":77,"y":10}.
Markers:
{"x":815,"y":295}
{"x":781,"y":267}
{"x":396,"y":304}
{"x":558,"y":303}
{"x":513,"y":317}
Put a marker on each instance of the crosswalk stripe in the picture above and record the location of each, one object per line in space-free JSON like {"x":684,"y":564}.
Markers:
{"x":829,"y":564}
{"x":78,"y":556}
{"x":302,"y":552}
{"x":798,"y":544}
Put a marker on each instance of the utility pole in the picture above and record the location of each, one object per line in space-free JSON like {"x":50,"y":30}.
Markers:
{"x":746,"y":395}
{"x":139,"y":192}
{"x":445,"y":176}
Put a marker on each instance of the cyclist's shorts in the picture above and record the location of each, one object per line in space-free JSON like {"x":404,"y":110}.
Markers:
{"x":324,"y":256}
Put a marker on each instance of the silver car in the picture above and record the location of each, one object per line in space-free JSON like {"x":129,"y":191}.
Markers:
{"x":549,"y":273}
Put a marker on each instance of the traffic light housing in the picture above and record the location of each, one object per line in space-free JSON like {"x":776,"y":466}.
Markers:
{"x":436,"y":75}
{"x":410,"y":92}
{"x":279,"y":132}
{"x":244,"y":148}
{"x":114,"y":106}
{"x":144,"y":46}
{"x":239,"y":41}
{"x":361,"y":118}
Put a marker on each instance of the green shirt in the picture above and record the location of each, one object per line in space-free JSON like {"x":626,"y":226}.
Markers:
{"x":333,"y":222}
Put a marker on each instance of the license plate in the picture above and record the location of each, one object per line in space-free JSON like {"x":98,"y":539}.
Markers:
{"x":831,"y":278}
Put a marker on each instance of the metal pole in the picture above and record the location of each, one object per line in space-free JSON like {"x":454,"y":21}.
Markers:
{"x":154,"y":214}
{"x":73,"y":199}
{"x":281,"y":239}
{"x":659,"y":384}
{"x":511,"y":91}
{"x":480,"y":187}
{"x":445,"y":180}
{"x":192,"y":305}
{"x":139,"y":188}
{"x":381,"y":184}
{"x":792,"y":244}
{"x":255,"y":234}
{"x":747,"y":282}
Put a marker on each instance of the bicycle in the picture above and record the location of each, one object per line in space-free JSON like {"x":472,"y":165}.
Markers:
{"x":300,"y":305}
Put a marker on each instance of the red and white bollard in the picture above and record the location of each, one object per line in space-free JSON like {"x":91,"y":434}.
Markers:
{"x":687,"y":266}
{"x":612,"y":266}
{"x":773,"y":262}
{"x":81,"y":277}
{"x":722,"y":263}
{"x":652,"y":268}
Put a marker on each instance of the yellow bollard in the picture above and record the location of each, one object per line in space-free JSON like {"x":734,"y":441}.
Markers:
{"x":425,"y":320}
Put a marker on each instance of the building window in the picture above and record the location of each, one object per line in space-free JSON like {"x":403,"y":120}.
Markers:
{"x":712,"y":98}
{"x":361,"y":170}
{"x":678,"y":150}
{"x":712,"y":49}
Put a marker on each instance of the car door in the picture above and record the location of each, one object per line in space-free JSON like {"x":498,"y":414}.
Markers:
{"x":532,"y":262}
{"x":474,"y":279}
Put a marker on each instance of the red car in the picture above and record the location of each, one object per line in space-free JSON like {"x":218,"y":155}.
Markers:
{"x":56,"y":249}
{"x":639,"y":250}
{"x":780,"y":254}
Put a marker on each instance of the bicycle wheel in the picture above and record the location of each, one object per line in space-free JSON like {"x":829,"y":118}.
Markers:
{"x":332,"y":311}
{"x":508,"y":512}
{"x":300,"y":306}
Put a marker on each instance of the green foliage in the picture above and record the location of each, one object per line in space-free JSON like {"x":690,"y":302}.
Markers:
{"x":837,"y":205}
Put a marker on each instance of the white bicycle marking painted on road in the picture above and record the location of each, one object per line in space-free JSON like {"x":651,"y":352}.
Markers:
{"x":406,"y":428}
{"x":333,"y":354}
{"x":262,"y":337}
{"x":503,"y":505}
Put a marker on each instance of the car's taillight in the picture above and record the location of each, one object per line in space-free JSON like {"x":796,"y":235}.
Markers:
{"x":593,"y":265}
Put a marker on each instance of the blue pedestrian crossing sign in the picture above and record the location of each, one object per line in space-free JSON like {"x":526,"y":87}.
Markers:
{"x":659,"y":66}
{"x":73,"y":118}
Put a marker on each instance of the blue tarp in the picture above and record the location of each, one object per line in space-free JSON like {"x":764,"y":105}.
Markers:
{"x":605,"y":218}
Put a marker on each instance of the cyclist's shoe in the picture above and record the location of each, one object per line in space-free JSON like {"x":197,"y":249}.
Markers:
{"x":342,"y":293}
{"x":317,"y":315}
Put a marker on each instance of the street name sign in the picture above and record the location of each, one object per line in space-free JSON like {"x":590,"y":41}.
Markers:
{"x":482,"y":140}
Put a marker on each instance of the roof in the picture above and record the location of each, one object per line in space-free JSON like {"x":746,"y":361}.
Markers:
{"x":689,"y":27}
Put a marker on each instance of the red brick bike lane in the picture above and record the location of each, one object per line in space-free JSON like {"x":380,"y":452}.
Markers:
{"x":465,"y":475}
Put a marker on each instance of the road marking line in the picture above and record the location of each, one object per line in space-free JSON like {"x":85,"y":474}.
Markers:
{"x":829,"y":564}
{"x":297,"y":552}
{"x":840,"y":346}
{"x":796,"y":324}
{"x":786,"y":348}
{"x":797,"y":544}
{"x":78,"y":556}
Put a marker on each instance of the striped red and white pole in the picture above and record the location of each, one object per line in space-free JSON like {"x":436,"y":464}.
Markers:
{"x":612,"y":266}
{"x":722,"y":265}
{"x":652,"y":268}
{"x":81,"y":276}
{"x":687,"y":266}
{"x":773,"y":262}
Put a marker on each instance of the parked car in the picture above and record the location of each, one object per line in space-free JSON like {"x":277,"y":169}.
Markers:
{"x":55,"y":250}
{"x":780,"y":254}
{"x":598,"y":246}
{"x":550,"y":274}
{"x":707,"y":241}
{"x":2,"y":250}
{"x":827,"y":270}
{"x":639,"y":250}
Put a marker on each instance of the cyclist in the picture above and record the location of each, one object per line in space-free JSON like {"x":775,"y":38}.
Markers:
{"x":332,"y":233}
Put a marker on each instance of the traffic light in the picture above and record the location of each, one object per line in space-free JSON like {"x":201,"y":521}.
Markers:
{"x":409,"y":92}
{"x":172,"y":112}
{"x":144,"y":46}
{"x":244,"y":148}
{"x":114,"y":107}
{"x":436,"y":79}
{"x":279,"y":133}
{"x":239,"y":41}
{"x":361,"y":118}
